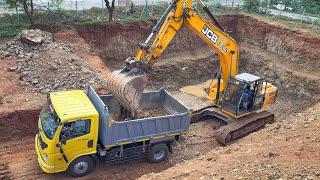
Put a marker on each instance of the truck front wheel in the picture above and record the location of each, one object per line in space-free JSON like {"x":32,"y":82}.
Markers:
{"x":80,"y":166}
{"x":158,"y":152}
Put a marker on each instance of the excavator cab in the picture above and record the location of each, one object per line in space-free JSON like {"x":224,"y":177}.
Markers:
{"x":244,"y":93}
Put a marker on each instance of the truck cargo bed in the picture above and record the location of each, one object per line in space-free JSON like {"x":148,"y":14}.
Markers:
{"x":161,"y":116}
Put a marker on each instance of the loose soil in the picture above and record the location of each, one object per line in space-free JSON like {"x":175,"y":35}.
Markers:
{"x":141,"y":113}
{"x":286,"y":149}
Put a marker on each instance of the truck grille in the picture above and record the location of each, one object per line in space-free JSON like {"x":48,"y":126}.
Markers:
{"x":43,"y":145}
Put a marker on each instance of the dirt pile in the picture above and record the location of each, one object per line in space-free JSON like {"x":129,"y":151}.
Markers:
{"x":50,"y":66}
{"x":18,"y":124}
{"x":281,"y":151}
{"x":4,"y":172}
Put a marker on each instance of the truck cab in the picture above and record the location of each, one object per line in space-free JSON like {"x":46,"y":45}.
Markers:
{"x":68,"y":128}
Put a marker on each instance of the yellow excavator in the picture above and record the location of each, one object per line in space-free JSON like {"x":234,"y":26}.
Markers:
{"x":237,"y":98}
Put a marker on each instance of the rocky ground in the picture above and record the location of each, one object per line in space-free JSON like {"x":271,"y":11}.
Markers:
{"x":50,"y":66}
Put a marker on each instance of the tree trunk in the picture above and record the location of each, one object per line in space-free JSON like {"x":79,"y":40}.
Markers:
{"x":110,"y":14}
{"x":110,"y":8}
{"x":31,"y":9}
{"x":28,"y":12}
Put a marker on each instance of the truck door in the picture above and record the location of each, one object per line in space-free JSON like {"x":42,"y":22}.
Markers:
{"x":79,"y":141}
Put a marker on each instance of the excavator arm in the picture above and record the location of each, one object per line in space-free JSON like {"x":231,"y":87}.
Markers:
{"x":225,"y":46}
{"x":129,"y":83}
{"x":238,"y":105}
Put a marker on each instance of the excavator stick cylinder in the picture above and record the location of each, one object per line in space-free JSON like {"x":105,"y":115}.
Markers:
{"x":127,"y":88}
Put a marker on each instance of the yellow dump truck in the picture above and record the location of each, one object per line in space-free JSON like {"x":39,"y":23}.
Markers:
{"x":78,"y":129}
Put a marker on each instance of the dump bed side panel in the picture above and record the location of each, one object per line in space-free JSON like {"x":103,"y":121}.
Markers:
{"x":114,"y":133}
{"x":102,"y":110}
{"x":149,"y":100}
{"x":148,"y":128}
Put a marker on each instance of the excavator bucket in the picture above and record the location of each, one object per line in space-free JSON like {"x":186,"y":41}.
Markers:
{"x":127,"y":88}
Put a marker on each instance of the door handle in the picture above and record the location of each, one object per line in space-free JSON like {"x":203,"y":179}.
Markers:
{"x":90,"y":143}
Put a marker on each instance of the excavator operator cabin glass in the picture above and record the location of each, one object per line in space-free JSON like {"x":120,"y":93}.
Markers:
{"x":232,"y":96}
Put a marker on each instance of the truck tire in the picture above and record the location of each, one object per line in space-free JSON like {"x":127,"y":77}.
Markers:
{"x":81,"y":166}
{"x":158,"y":153}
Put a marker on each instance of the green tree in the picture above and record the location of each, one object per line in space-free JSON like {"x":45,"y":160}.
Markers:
{"x":27,"y":6}
{"x":251,"y":5}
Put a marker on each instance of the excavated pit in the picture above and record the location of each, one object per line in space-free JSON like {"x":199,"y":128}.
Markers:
{"x":286,"y":58}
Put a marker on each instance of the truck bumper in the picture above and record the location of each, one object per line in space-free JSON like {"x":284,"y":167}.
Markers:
{"x":43,"y":165}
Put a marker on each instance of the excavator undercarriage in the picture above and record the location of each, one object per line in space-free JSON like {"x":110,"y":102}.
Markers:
{"x":232,"y":129}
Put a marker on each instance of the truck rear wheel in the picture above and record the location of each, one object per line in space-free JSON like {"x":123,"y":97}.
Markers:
{"x":81,"y":166}
{"x":158,"y":153}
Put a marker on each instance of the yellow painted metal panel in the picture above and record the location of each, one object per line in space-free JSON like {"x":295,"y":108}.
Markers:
{"x":72,"y":104}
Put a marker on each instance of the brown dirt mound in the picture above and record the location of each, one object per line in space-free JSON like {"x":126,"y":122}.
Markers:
{"x":18,"y":124}
{"x":281,"y":151}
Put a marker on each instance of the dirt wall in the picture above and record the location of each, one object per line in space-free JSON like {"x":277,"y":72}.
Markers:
{"x":286,"y":58}
{"x":18,"y":124}
{"x":117,"y":41}
{"x":296,"y":48}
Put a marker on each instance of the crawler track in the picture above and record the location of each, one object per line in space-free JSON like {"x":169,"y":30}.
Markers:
{"x":233,"y":128}
{"x":243,"y":126}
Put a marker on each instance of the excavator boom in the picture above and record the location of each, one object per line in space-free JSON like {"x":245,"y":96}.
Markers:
{"x":127,"y":85}
{"x":237,"y":98}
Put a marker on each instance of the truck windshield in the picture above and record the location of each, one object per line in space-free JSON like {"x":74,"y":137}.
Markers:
{"x":49,"y":120}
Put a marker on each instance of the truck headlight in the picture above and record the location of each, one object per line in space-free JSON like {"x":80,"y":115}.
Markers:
{"x":45,"y":158}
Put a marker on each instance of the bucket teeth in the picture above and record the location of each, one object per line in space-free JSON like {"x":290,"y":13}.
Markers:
{"x":126,"y":88}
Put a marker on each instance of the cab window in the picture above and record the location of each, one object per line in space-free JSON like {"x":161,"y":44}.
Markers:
{"x":75,"y":129}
